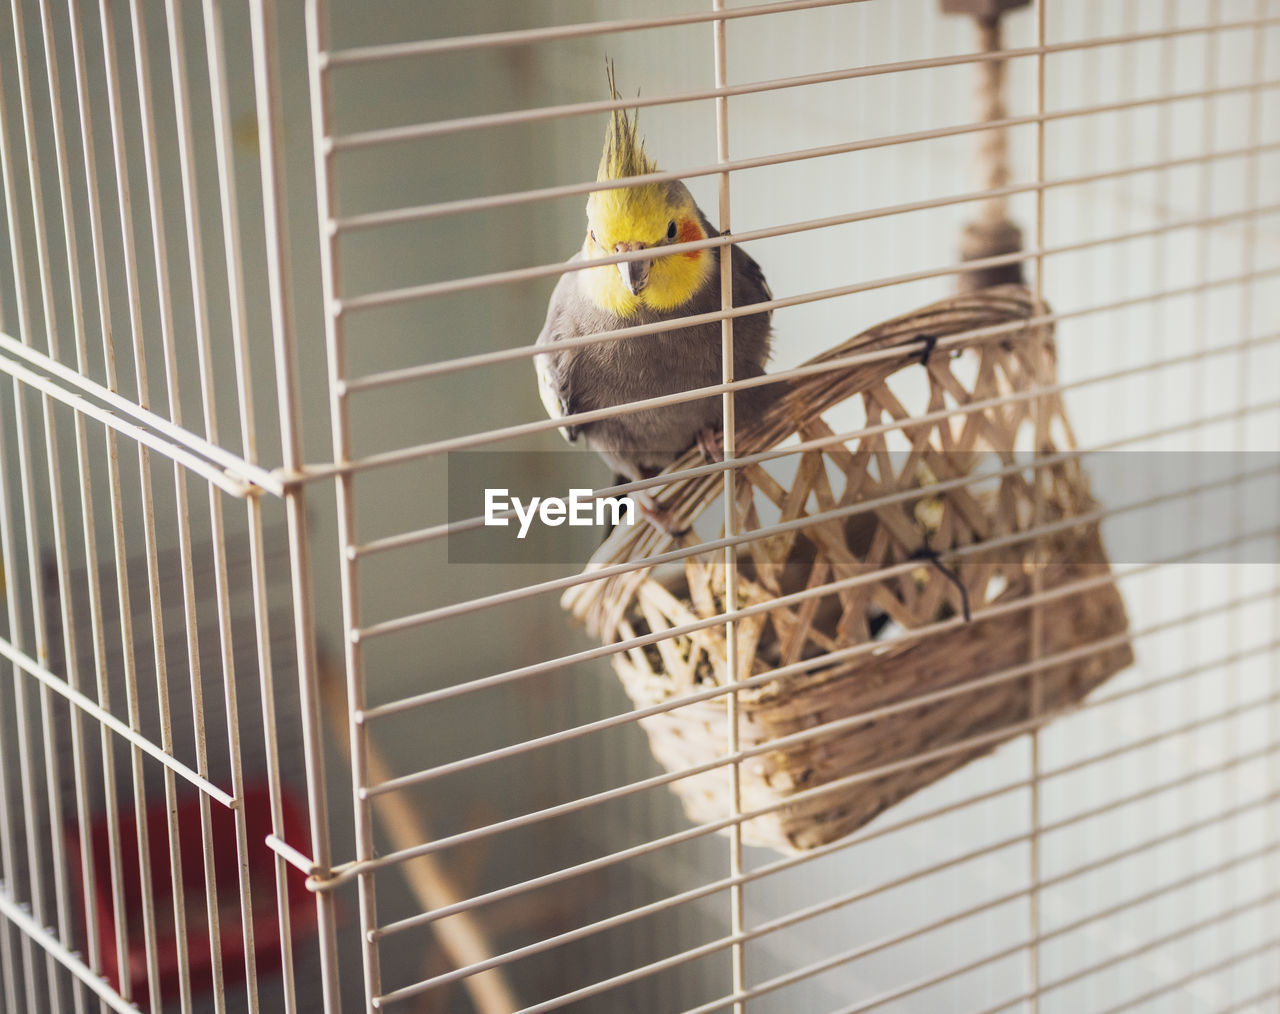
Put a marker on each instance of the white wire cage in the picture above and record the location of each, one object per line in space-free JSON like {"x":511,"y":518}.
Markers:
{"x":257,"y":253}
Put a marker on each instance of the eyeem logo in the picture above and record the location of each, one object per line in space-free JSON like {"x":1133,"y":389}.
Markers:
{"x":582,"y":508}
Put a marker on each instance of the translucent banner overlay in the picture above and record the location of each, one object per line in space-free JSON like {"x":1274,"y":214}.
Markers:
{"x":1153,"y":506}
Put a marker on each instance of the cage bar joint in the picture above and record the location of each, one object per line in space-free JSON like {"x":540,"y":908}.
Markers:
{"x":319,"y":878}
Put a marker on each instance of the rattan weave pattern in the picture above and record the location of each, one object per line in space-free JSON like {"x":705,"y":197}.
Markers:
{"x":820,"y":786}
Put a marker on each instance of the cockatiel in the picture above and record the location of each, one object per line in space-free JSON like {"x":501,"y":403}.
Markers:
{"x":662,"y":287}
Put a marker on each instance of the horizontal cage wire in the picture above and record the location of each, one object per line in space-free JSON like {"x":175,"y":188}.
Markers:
{"x":910,"y":644}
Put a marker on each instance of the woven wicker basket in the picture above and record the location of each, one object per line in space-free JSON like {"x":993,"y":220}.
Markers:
{"x":855,"y":724}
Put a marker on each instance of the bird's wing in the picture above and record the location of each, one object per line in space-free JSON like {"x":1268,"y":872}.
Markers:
{"x":752,"y":275}
{"x":553,"y":395}
{"x":555,"y":368}
{"x":748,"y":275}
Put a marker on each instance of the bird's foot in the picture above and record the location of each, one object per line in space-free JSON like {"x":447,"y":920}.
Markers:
{"x":711,"y":444}
{"x":659,"y":516}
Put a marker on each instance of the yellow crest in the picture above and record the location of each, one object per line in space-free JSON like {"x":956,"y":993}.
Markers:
{"x":623,"y":148}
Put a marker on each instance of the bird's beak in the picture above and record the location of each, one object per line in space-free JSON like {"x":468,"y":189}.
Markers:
{"x":635,"y":275}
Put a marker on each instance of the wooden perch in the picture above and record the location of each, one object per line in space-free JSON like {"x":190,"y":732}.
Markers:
{"x":462,"y":938}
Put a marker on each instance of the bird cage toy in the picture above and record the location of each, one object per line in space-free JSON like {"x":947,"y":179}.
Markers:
{"x":834,"y":725}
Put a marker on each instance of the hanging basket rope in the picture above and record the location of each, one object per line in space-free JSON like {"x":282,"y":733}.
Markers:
{"x":992,"y":232}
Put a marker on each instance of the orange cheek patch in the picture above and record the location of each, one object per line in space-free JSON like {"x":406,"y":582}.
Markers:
{"x":690,"y":230}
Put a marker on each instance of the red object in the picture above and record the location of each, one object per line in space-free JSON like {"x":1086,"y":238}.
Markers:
{"x":266,"y":932}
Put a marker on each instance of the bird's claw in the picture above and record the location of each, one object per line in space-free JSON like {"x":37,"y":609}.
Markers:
{"x":711,"y":444}
{"x":660,"y":516}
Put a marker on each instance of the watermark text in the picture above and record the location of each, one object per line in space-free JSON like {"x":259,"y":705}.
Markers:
{"x":581,"y":508}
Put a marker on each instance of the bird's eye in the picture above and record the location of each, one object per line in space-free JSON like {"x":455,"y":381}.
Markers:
{"x":671,"y":229}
